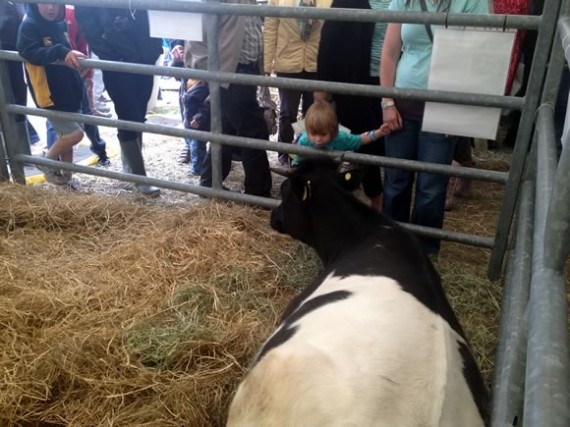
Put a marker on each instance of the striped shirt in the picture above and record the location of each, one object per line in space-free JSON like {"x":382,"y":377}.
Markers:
{"x":252,"y":40}
{"x":378,"y":37}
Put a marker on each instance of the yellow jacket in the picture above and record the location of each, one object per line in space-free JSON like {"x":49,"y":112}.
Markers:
{"x":283,"y":49}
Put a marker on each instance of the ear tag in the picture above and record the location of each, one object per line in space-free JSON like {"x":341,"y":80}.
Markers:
{"x":347,"y":176}
{"x":307,"y":191}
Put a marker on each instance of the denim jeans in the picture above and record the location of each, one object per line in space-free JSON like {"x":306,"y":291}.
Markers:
{"x":197,"y":155}
{"x":429,"y":203}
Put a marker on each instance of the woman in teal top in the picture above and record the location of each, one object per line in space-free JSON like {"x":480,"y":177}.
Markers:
{"x":405,"y":62}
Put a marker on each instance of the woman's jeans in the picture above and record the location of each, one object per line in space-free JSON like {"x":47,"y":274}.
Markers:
{"x":429,"y":203}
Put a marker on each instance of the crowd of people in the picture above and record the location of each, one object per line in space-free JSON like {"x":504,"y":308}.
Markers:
{"x":392,"y":55}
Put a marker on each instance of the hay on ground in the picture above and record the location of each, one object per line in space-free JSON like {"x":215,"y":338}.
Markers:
{"x":119,"y":314}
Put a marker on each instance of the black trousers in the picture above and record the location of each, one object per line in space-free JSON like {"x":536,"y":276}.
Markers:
{"x":289,"y":100}
{"x":242,"y":116}
{"x":130,"y":94}
{"x":18,"y":85}
{"x":361,"y":114}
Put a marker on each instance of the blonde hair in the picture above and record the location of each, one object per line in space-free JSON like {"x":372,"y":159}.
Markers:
{"x":320,"y":119}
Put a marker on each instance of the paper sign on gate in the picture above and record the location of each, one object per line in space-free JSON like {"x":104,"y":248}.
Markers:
{"x":175,"y":25}
{"x":472,"y":61}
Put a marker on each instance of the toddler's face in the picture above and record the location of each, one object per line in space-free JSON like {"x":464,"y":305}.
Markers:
{"x":50,"y":11}
{"x":320,"y":140}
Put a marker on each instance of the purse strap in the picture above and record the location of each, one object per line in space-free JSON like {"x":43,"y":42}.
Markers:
{"x":428,"y":27}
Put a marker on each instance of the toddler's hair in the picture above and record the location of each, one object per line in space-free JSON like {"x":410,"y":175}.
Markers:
{"x":320,"y":119}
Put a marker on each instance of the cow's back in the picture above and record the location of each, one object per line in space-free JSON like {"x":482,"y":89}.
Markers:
{"x":377,"y":357}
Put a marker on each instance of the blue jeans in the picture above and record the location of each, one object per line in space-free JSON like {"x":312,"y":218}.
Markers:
{"x":429,"y":208}
{"x":197,"y":153}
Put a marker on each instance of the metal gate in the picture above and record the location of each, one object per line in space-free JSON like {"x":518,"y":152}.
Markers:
{"x":532,"y":369}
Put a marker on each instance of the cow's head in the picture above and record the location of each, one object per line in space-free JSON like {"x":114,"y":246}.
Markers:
{"x":311,"y":190}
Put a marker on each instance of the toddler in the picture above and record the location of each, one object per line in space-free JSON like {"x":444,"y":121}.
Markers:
{"x":196,"y":103}
{"x":322,"y":131}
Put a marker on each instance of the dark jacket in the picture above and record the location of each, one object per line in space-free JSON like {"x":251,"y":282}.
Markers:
{"x":114,"y":35}
{"x":11,"y":15}
{"x":197,"y":106}
{"x":41,"y":43}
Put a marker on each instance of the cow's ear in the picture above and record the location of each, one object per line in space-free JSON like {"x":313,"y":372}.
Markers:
{"x":302,"y":188}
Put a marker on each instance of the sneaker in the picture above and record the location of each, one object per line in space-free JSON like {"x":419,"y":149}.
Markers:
{"x":104,"y":162}
{"x":54,"y":177}
{"x":184,"y":156}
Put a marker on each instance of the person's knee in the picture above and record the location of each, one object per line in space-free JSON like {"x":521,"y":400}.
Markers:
{"x":73,"y":138}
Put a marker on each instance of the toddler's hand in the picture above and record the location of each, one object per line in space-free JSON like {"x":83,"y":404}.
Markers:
{"x":385,"y":129}
{"x":71,"y":59}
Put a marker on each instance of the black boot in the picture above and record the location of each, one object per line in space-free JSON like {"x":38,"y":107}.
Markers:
{"x":23,"y":138}
{"x":133,"y":162}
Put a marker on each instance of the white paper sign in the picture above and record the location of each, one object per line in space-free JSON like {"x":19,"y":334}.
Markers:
{"x":472,"y":61}
{"x":175,"y":25}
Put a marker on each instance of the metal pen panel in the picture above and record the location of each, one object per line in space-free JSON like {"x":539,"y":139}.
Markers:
{"x":215,"y":98}
{"x":510,"y":360}
{"x":336,"y":14}
{"x":547,"y":398}
{"x":532,"y":99}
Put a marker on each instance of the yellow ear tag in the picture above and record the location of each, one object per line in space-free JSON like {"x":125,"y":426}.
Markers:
{"x":347,"y":176}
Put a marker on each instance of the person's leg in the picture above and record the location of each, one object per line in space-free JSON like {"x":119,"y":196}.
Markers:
{"x":463,"y":155}
{"x":402,"y":144}
{"x":288,"y":109}
{"x":429,"y":204}
{"x":51,"y":135}
{"x":130,"y":94}
{"x":198,"y":152}
{"x":372,"y":179}
{"x":307,"y":95}
{"x":68,"y":133}
{"x":246,"y":117}
{"x":98,"y":146}
{"x":228,"y":129}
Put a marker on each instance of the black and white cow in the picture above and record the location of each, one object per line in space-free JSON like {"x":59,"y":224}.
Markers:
{"x":373,"y":342}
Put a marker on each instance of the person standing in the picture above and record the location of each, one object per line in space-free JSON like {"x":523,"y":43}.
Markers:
{"x":356,"y":59}
{"x":240,"y":48}
{"x":405,"y":62}
{"x":290,"y":49}
{"x":123,"y":35}
{"x":42,"y":41}
{"x":11,"y":15}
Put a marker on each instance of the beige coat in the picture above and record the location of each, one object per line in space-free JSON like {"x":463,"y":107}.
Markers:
{"x":283,"y":49}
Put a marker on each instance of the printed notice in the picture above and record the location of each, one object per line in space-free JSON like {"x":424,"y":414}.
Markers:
{"x":472,"y":61}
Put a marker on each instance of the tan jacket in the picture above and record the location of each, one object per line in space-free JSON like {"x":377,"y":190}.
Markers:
{"x":283,"y":49}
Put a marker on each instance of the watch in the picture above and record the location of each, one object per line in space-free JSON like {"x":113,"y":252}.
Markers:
{"x":387,"y":104}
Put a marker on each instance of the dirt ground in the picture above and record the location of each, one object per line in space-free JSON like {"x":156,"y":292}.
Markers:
{"x":160,"y":153}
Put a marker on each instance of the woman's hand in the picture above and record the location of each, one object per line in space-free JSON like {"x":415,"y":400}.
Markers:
{"x":391,"y":117}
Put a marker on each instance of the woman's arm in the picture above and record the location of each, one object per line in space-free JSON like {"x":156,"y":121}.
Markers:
{"x":388,"y":64}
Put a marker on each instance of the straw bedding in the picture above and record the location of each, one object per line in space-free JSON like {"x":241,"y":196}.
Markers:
{"x":126,"y":314}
